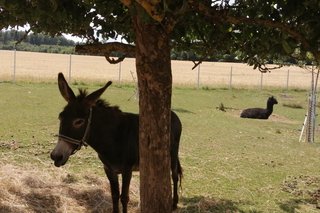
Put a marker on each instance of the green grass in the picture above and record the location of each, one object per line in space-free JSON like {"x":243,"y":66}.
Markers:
{"x":230,"y":164}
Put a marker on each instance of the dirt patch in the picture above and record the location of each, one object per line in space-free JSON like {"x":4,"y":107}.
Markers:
{"x":31,"y":190}
{"x":281,"y":119}
{"x":9,"y":144}
{"x":304,"y":186}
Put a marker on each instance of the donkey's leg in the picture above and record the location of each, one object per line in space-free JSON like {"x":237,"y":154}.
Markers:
{"x":175,"y":179}
{"x":176,"y":170}
{"x":126,"y":178}
{"x":114,"y":185}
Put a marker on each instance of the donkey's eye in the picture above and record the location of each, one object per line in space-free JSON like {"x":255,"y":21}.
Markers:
{"x":77,"y":123}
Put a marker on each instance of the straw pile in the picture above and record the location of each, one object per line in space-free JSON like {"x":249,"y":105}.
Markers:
{"x":32,"y":190}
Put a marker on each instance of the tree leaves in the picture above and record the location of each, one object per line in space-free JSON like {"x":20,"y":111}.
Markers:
{"x":268,"y":29}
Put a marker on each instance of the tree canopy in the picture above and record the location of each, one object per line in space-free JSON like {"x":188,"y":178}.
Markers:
{"x":261,"y":30}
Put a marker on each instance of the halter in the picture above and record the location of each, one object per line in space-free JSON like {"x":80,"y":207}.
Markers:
{"x":83,"y":141}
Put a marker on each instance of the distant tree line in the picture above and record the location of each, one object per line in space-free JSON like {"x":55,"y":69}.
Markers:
{"x":191,"y":56}
{"x":33,"y":38}
{"x":35,"y":42}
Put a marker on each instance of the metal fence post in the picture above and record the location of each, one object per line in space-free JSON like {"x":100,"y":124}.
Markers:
{"x":261,"y":80}
{"x":230,"y":82}
{"x":288,"y":80}
{"x":70,"y":61}
{"x":119,"y":73}
{"x":14,"y":64}
{"x":198,"y":76}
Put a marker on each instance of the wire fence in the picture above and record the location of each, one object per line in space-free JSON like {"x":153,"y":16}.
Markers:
{"x":19,"y":65}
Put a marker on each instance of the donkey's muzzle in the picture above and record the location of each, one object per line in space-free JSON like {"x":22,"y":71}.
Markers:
{"x":59,"y":159}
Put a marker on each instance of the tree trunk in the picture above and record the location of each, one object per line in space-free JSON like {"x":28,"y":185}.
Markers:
{"x":155,"y":87}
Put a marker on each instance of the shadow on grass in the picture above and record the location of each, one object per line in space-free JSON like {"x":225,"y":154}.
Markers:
{"x":290,"y":206}
{"x":201,"y":204}
{"x":295,"y":205}
{"x":181,"y":110}
{"x":40,"y":202}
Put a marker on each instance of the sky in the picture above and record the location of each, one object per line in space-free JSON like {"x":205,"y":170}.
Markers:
{"x":73,"y":38}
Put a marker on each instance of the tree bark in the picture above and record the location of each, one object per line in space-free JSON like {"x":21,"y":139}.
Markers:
{"x":155,"y":87}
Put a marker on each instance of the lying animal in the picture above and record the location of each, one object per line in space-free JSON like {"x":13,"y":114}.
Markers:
{"x":259,"y":113}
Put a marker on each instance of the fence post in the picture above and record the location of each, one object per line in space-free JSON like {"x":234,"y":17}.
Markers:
{"x":198,"y":76}
{"x":261,"y":80}
{"x":288,"y":80}
{"x":70,"y":62}
{"x":230,"y":82}
{"x":14,"y":64}
{"x":119,"y":73}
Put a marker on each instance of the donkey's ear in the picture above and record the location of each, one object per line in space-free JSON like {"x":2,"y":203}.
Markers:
{"x":93,"y":97}
{"x":64,"y":88}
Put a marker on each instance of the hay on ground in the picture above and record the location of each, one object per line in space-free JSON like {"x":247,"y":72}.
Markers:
{"x":32,"y":190}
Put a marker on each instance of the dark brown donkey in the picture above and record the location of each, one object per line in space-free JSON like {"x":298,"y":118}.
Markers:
{"x":113,"y":134}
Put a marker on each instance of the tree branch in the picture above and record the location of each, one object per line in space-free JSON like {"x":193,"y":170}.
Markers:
{"x":220,"y":16}
{"x":127,"y":3}
{"x":152,"y":8}
{"x":263,"y":68}
{"x":171,"y":20}
{"x":271,"y":24}
{"x":223,"y":16}
{"x":115,"y":61}
{"x":23,"y":37}
{"x":196,"y":64}
{"x":107,"y":49}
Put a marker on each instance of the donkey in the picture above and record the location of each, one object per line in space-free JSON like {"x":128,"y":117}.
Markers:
{"x":259,"y":113}
{"x":113,"y":134}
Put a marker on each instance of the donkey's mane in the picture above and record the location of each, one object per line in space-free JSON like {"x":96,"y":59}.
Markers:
{"x":83,"y":93}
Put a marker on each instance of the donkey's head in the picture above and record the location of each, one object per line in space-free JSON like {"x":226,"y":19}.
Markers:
{"x":75,"y":121}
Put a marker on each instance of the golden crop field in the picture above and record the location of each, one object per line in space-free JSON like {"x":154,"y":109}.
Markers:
{"x":43,"y":67}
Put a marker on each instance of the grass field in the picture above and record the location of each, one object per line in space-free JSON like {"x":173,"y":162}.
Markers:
{"x":42,"y":66}
{"x":230,"y":164}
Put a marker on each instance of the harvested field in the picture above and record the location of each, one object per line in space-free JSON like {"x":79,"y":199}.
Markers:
{"x":43,"y":67}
